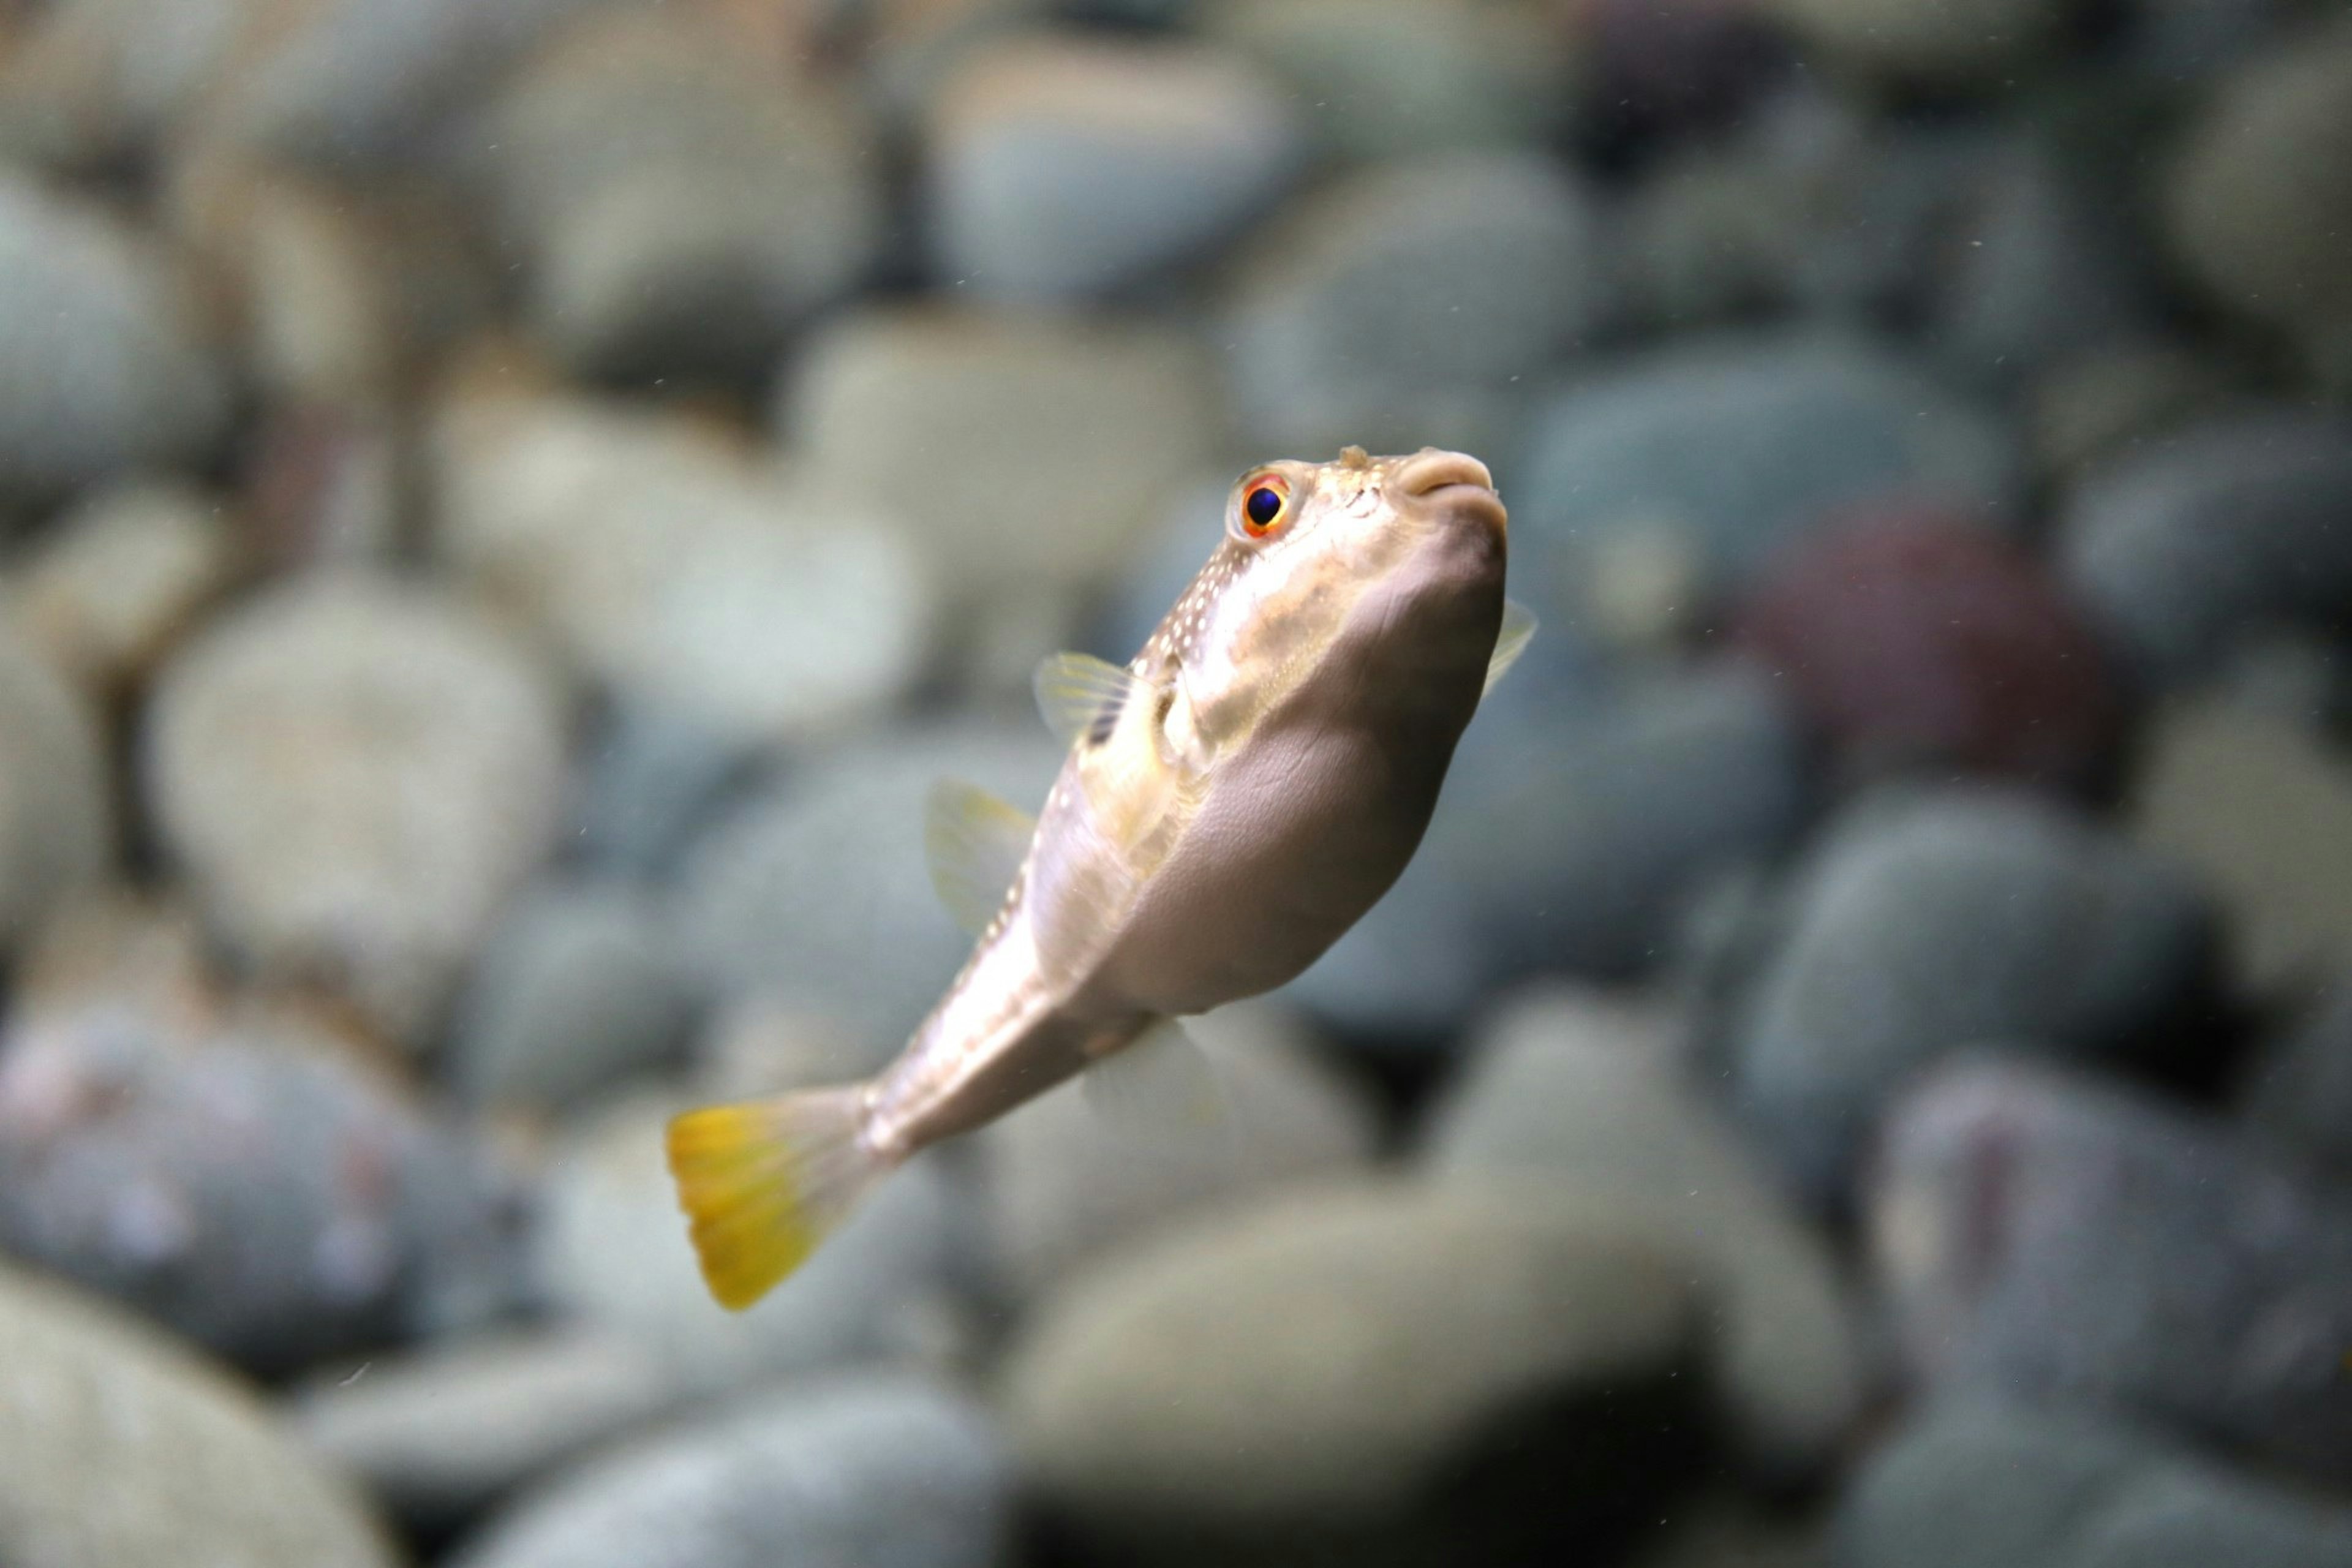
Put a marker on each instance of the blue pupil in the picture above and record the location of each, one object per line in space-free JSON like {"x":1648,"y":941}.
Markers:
{"x":1263,"y":506}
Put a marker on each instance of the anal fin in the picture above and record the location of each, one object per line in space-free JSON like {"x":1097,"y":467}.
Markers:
{"x":1160,"y":1086}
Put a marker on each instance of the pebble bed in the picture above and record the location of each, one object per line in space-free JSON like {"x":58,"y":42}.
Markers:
{"x":508,"y":506}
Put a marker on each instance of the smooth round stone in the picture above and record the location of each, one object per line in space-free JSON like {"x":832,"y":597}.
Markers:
{"x":2261,"y":810}
{"x":2182,"y":548}
{"x":1575,"y":833}
{"x":1021,"y":450}
{"x":814,"y":892}
{"x":1396,"y":78}
{"x":578,"y":987}
{"x":614,"y":1254}
{"x":105,"y":365}
{"x":1582,"y":1088}
{"x":878,"y":1469}
{"x":113,"y":584}
{"x":355,"y":774}
{"x":1065,"y":1187}
{"x":2072,"y":1243}
{"x":55,"y":833}
{"x":1925,"y":921}
{"x":1720,"y":451}
{"x":1375,"y":1372}
{"x":1058,"y":169}
{"x":440,"y":1433}
{"x":688,"y":575}
{"x":1989,"y":1484}
{"x":684,"y":204}
{"x":118,"y":1445}
{"x":85,"y":84}
{"x":254,"y":1190}
{"x":2261,"y":196}
{"x":1925,"y":643}
{"x":2088,"y":411}
{"x":1978,"y":44}
{"x":1424,"y":280}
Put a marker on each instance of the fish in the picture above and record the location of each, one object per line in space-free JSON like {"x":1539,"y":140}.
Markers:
{"x":1233,"y":799}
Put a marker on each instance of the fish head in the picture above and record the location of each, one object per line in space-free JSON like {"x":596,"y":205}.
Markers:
{"x":1368,"y":560}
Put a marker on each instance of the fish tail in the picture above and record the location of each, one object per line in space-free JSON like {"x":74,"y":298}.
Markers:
{"x":763,"y":1182}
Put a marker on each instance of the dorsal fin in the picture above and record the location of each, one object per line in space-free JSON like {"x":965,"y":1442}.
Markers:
{"x":1519,"y":625}
{"x":1082,"y":695}
{"x":974,"y":843}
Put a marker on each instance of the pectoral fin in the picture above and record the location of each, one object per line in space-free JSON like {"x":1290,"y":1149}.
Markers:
{"x":1519,"y":625}
{"x":975,"y":843}
{"x":1082,"y":695}
{"x":1161,"y":1087}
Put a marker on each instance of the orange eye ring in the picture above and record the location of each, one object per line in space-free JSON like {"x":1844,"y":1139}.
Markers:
{"x":1264,"y":505}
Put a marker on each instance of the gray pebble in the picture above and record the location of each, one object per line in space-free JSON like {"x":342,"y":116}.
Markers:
{"x":118,"y":579}
{"x":108,"y":365}
{"x":1719,"y":452}
{"x":577,"y":988}
{"x":2064,"y":1241}
{"x":1407,"y":286}
{"x":1343,"y":1371}
{"x":2185,"y":545}
{"x":1982,"y":1484}
{"x":355,"y":773}
{"x":879,"y":1470}
{"x":1945,"y":918}
{"x":119,"y":1445}
{"x":1583,"y":1089}
{"x":2298,"y":1091}
{"x":1900,"y":41}
{"x":55,"y":833}
{"x":1061,"y":169}
{"x":440,"y":1434}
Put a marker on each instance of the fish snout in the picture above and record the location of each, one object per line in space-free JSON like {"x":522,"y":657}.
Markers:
{"x":1453,"y":480}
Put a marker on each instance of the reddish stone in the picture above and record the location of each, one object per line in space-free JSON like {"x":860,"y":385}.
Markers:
{"x":1920,"y":639}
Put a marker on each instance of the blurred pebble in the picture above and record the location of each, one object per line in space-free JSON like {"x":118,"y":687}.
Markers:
{"x":2089,"y":410}
{"x":2262,"y":812}
{"x":1901,"y":42}
{"x":56,"y":824}
{"x":105,"y":364}
{"x":869,"y":1470}
{"x":116,"y":581}
{"x":2067,"y":1241}
{"x":650,"y":777}
{"x":1428,"y":279}
{"x":250,"y":1189}
{"x":614,"y":1254}
{"x":328,"y":484}
{"x":1025,"y":453}
{"x":87,"y":84}
{"x":1372,"y":1373}
{"x":1719,"y":452}
{"x":2261,"y":196}
{"x":1581,"y":1087}
{"x":2298,"y":1091}
{"x":356,"y":773}
{"x":681,"y":204}
{"x":1986,"y":1484}
{"x":577,"y":988}
{"x":1065,"y":1187}
{"x":1921,"y":641}
{"x":814,"y":891}
{"x":684,"y":570}
{"x":1397,"y":79}
{"x":2234,"y":522}
{"x":440,"y":1434}
{"x":1661,"y":74}
{"x":1938,"y":919}
{"x":120,"y":1446}
{"x":1574,"y":834}
{"x":1059,"y":169}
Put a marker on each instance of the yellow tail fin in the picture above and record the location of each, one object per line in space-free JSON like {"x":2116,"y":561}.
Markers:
{"x":764,"y":1181}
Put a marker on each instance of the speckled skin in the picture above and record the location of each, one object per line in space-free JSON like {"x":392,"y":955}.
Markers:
{"x":1265,"y":782}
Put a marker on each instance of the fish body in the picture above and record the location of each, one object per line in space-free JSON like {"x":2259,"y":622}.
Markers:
{"x":1233,"y":800}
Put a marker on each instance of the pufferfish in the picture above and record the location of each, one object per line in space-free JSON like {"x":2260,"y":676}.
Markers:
{"x":1233,"y":799}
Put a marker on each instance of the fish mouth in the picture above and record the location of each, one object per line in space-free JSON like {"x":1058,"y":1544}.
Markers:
{"x":1454,"y":482}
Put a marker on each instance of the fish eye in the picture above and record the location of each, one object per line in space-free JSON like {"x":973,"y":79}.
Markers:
{"x":1265,"y":504}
